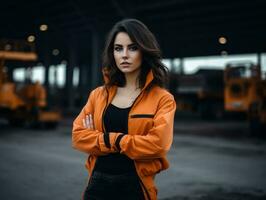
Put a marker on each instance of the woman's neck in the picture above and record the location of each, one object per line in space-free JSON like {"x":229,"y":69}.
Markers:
{"x":132,"y":80}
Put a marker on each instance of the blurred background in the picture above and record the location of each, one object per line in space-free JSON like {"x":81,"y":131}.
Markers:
{"x":50,"y":60}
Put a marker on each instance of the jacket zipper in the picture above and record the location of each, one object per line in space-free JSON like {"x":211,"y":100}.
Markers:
{"x":135,"y":101}
{"x":106,"y":104}
{"x":141,"y":183}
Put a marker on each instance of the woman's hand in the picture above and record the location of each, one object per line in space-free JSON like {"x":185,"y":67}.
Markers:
{"x":88,"y":122}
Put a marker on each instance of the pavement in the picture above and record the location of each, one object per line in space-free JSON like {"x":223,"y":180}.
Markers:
{"x":209,"y":160}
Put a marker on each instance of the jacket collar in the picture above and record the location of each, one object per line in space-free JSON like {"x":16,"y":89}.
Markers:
{"x":149,"y":79}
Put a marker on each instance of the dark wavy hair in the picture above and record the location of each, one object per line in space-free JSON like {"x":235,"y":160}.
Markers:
{"x":149,"y":47}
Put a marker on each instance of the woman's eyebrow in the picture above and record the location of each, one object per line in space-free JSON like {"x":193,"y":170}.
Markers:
{"x":132,"y":44}
{"x":120,"y":45}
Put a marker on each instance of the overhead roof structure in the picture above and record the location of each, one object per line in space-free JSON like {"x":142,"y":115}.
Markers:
{"x":184,"y":28}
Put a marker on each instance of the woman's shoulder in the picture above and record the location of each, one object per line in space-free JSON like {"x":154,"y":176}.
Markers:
{"x":98,"y":91}
{"x":160,"y":91}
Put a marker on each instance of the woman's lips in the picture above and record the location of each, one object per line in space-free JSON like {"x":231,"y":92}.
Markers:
{"x":125,"y":64}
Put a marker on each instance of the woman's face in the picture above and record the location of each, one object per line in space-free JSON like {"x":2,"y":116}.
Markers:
{"x":128,"y":57}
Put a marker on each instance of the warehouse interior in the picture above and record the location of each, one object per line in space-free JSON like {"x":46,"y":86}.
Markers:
{"x":76,"y":32}
{"x":216,"y":55}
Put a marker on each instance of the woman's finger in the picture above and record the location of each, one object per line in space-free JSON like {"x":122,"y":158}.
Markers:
{"x":84,"y":123}
{"x":91,"y":122}
{"x":87,"y":121}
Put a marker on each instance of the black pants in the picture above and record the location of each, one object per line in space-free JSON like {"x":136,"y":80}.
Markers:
{"x":104,"y":186}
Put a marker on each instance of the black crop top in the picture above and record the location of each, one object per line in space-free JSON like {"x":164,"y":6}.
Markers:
{"x":115,"y":120}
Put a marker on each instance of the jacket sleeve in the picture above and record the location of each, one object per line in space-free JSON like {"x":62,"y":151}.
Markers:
{"x":90,"y":141}
{"x":157,"y":142}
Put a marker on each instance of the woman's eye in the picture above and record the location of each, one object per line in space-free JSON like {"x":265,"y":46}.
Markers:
{"x":118,"y":49}
{"x":133,"y":48}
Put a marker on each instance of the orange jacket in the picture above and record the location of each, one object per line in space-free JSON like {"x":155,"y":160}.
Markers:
{"x":150,"y":132}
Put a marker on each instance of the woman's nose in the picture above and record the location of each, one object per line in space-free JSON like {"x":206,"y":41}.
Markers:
{"x":125,"y":53}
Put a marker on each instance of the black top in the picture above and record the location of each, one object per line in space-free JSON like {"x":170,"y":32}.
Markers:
{"x":115,"y":120}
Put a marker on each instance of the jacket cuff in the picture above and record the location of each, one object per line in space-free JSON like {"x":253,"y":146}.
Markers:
{"x":102,"y":146}
{"x":106,"y":140}
{"x":117,"y":142}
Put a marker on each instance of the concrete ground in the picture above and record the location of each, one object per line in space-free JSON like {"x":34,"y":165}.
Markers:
{"x":209,"y":160}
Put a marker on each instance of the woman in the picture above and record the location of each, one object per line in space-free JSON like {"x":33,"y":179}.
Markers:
{"x":126,"y":126}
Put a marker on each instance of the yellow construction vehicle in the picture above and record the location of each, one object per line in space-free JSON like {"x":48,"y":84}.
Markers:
{"x":27,"y":104}
{"x":201,"y":92}
{"x":245,"y":91}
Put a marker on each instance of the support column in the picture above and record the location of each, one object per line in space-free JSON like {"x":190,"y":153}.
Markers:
{"x":46,"y":64}
{"x":95,"y":62}
{"x":72,"y":62}
{"x":46,"y":58}
{"x":84,"y":83}
{"x":259,"y":57}
{"x":10,"y":71}
{"x":181,"y":66}
{"x":172,"y":66}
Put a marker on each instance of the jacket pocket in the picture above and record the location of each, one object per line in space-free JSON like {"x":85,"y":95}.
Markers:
{"x":140,"y":123}
{"x":150,"y":167}
{"x":142,"y":116}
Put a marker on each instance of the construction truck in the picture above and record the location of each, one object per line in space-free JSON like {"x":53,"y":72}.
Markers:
{"x":245,"y":92}
{"x":201,"y":92}
{"x":27,"y":104}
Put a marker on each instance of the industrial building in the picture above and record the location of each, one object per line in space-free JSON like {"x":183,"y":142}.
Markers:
{"x":51,"y":59}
